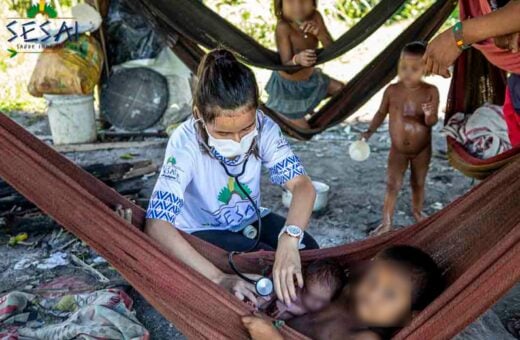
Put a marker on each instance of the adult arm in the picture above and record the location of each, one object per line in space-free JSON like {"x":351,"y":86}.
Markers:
{"x":172,"y":241}
{"x":287,"y":264}
{"x":442,"y":51}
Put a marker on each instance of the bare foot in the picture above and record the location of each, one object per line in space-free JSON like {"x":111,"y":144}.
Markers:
{"x":419,"y":216}
{"x":381,"y":229}
{"x":126,"y":214}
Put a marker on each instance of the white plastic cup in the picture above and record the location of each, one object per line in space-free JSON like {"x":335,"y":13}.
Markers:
{"x":359,"y":150}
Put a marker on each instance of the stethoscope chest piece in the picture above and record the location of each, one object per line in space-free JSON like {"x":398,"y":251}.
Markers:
{"x":264,"y":286}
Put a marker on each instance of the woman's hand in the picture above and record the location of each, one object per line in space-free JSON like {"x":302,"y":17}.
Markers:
{"x":508,"y":42}
{"x":306,"y":58}
{"x":287,"y":266}
{"x":260,"y":329}
{"x":239,"y":287}
{"x":441,"y":53}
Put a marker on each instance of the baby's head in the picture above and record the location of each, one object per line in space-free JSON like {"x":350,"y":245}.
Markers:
{"x":294,"y":10}
{"x":411,"y":66}
{"x":324,"y":280}
{"x":399,"y":281}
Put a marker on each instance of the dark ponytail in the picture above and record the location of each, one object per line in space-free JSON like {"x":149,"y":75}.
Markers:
{"x":223,"y":84}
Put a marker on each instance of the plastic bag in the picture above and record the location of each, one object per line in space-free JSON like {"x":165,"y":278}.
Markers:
{"x":74,"y":68}
{"x":131,"y":36}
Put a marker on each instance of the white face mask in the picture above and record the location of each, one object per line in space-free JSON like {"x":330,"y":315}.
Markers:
{"x":229,"y":148}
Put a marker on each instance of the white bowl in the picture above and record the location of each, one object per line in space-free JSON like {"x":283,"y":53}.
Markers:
{"x":322,"y":196}
{"x":359,"y":150}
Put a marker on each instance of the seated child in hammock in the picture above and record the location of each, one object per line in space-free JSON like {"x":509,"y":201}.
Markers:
{"x":323,"y":281}
{"x":299,"y":30}
{"x":395,"y":285}
{"x":412,"y":106}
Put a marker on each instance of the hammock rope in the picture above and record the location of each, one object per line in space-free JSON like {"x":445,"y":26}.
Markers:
{"x":356,"y":92}
{"x":475,"y":240}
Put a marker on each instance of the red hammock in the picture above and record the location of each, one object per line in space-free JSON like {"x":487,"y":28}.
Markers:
{"x":475,"y":240}
{"x":476,"y":80}
{"x":470,"y":88}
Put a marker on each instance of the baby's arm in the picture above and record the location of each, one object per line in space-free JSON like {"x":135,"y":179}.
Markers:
{"x":283,"y":43}
{"x":380,"y":116}
{"x":261,"y":329}
{"x":431,"y":109}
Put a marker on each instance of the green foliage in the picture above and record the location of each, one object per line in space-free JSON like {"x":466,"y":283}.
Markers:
{"x":256,"y":17}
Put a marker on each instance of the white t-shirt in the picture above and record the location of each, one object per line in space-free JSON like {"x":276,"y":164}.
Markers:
{"x":193,"y":191}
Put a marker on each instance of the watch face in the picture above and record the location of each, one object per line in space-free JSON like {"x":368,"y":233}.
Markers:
{"x":294,"y":231}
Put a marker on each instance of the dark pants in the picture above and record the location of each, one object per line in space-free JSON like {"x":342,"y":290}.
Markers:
{"x":271,"y":226}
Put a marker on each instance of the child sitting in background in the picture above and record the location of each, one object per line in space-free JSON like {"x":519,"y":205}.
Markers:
{"x":299,"y":30}
{"x":323,"y":281}
{"x":412,"y":105}
{"x":399,"y":282}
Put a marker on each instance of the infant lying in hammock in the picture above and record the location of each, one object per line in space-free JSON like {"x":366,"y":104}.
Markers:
{"x":384,"y":296}
{"x":323,"y":281}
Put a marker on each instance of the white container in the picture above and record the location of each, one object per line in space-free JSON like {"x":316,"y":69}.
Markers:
{"x":322,"y":196}
{"x":359,"y":150}
{"x":71,"y":118}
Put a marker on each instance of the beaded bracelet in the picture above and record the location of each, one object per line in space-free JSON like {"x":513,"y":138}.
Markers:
{"x":294,"y":60}
{"x":459,"y":38}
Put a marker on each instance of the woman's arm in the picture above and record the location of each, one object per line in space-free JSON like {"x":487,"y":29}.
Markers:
{"x":172,"y":241}
{"x":442,"y":51}
{"x":505,"y":20}
{"x":287,"y":264}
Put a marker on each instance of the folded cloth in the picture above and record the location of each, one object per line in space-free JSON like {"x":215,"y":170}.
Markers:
{"x":483,"y":133}
{"x":294,"y":99}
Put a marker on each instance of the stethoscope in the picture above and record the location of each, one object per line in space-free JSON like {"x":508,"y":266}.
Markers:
{"x":264,"y":285}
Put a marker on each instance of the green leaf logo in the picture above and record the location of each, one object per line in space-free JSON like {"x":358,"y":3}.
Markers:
{"x":42,"y":8}
{"x":171,"y":160}
{"x":12,"y":52}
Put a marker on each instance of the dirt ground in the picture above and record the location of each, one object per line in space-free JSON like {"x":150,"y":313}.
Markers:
{"x":354,"y":209}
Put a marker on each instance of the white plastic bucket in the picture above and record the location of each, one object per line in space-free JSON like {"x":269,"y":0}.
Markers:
{"x":322,"y":196}
{"x":71,"y":118}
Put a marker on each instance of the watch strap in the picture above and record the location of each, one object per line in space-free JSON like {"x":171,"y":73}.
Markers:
{"x":284,"y":230}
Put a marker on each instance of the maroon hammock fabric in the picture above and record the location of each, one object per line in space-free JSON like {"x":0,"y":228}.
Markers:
{"x":475,"y":240}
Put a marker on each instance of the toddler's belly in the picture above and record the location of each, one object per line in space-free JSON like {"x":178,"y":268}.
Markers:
{"x":410,"y":138}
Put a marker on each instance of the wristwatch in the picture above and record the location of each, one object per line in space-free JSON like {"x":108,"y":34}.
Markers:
{"x":293,"y":231}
